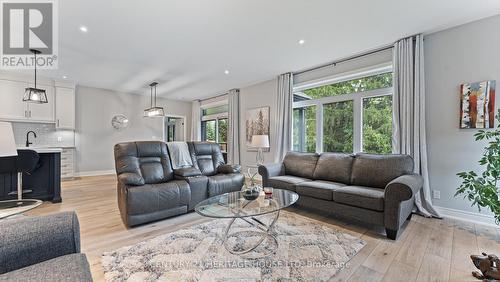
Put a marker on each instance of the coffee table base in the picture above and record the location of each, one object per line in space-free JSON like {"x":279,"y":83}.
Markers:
{"x":265,"y":231}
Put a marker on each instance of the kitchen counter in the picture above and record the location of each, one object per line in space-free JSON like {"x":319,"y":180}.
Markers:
{"x":42,"y":150}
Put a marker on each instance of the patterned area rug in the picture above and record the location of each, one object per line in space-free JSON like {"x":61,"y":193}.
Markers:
{"x":307,"y":250}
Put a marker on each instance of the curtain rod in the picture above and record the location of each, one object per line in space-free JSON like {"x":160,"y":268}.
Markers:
{"x":387,"y":47}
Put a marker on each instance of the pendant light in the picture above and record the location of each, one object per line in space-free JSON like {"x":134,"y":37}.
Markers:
{"x":154,"y":111}
{"x":33,"y":94}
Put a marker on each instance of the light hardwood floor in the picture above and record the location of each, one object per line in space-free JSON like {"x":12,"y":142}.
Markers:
{"x":427,"y":250}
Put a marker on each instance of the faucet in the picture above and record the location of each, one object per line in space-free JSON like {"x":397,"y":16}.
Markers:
{"x":28,"y":143}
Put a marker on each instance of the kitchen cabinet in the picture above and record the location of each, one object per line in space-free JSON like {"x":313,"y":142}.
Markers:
{"x":42,"y":112}
{"x":65,"y":108}
{"x":67,"y":163}
{"x":13,"y":108}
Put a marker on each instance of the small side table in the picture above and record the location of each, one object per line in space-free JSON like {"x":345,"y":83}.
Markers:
{"x":14,"y":207}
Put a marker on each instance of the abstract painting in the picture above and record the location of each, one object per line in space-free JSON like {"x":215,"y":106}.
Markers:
{"x":257,"y":123}
{"x":477,"y":104}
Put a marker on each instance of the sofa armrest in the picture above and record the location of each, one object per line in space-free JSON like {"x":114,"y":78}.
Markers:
{"x":185,"y":172}
{"x":31,"y":240}
{"x":131,"y":179}
{"x":229,"y":168}
{"x":403,"y":188}
{"x":269,"y":170}
{"x":398,"y":203}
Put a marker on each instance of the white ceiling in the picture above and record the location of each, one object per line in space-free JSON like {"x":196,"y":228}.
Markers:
{"x":187,"y":44}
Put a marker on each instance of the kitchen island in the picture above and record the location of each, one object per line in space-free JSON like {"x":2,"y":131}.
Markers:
{"x":44,"y":182}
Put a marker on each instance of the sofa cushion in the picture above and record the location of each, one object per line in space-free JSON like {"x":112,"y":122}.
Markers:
{"x":156,"y":197}
{"x":300,"y":164}
{"x":360,"y":196}
{"x":224,"y":183}
{"x":287,"y":182}
{"x":378,"y":170}
{"x":143,"y":162}
{"x":206,"y":156}
{"x":72,"y":267}
{"x":318,"y":189}
{"x":334,"y":167}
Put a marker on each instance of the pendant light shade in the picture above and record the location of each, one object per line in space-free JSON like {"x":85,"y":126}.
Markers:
{"x":154,"y":111}
{"x":33,"y":94}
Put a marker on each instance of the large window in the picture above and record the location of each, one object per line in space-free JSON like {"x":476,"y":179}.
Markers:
{"x":352,"y":115}
{"x":214,"y":125}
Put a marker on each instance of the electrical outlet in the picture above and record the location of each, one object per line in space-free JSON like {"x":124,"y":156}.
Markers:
{"x":59,"y":139}
{"x":436,"y":194}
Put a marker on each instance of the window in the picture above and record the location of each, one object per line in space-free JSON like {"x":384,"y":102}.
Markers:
{"x":377,"y":124}
{"x":351,"y":115}
{"x":304,"y":129}
{"x":214,"y":125}
{"x":338,"y":127}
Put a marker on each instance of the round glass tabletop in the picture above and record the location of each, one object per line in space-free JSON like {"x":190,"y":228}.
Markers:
{"x":234,"y":205}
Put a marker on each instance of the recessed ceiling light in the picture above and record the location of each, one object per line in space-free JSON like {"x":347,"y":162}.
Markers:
{"x":302,"y":41}
{"x":226,"y":72}
{"x":84,"y":29}
{"x":64,"y":76}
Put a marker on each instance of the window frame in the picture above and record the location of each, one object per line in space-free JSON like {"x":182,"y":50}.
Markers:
{"x":356,"y":97}
{"x":216,"y":118}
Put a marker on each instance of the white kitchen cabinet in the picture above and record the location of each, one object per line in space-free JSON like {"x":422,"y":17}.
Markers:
{"x":43,"y":112}
{"x":12,"y":106}
{"x":65,"y":108}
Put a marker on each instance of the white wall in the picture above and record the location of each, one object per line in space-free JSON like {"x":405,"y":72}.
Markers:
{"x":468,"y":53}
{"x":259,"y":95}
{"x":95,"y":137}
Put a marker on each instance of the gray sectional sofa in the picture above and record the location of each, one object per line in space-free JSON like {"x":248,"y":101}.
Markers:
{"x":377,"y":189}
{"x":150,"y":189}
{"x":44,"y":248}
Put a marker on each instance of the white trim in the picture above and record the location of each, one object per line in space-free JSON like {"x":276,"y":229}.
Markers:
{"x":95,"y":173}
{"x":224,"y":101}
{"x":473,"y":217}
{"x":345,"y":76}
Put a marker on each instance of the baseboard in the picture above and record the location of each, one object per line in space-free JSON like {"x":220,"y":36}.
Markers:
{"x":467,"y":216}
{"x":94,"y":173}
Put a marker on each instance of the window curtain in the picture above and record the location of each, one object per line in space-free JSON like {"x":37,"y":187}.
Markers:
{"x":233,"y":154}
{"x":196,"y":121}
{"x":409,"y":113}
{"x":283,"y":124}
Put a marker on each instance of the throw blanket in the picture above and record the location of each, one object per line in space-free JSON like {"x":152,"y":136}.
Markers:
{"x":179,"y":154}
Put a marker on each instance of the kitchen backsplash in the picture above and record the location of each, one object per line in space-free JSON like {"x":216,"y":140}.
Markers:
{"x":47,"y":135}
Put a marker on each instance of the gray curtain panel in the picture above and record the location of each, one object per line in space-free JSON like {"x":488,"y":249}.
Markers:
{"x":196,"y":121}
{"x":409,"y":113}
{"x":283,"y":124}
{"x":233,"y":142}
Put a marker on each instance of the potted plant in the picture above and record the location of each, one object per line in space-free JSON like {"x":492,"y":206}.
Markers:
{"x":482,"y":188}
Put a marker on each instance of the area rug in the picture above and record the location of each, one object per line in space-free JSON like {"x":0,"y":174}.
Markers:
{"x":308,"y":250}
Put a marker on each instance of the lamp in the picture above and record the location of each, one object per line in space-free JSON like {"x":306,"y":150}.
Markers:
{"x":154,"y":111}
{"x":8,"y":146}
{"x":33,"y":94}
{"x":259,"y":142}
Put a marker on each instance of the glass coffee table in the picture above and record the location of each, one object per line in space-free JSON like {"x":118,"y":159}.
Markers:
{"x":234,"y":206}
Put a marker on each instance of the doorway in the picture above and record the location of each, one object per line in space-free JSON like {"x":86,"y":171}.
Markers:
{"x":174,"y":128}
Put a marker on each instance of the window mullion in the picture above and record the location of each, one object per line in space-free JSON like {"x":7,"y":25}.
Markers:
{"x":357,"y":125}
{"x":319,"y":127}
